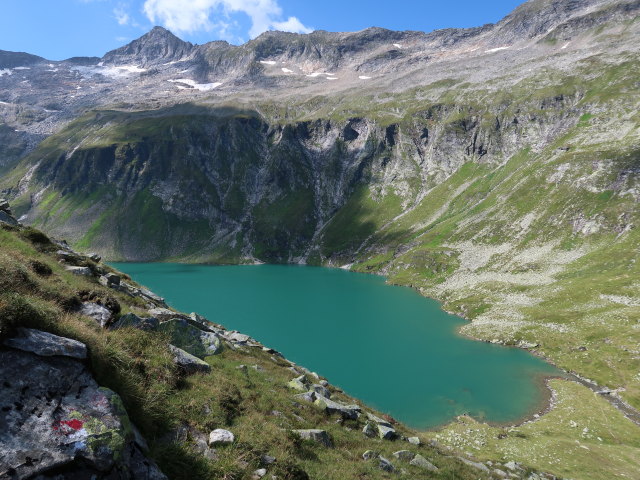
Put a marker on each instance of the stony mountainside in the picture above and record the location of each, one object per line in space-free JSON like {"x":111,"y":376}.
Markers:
{"x":101,"y":380}
{"x":494,"y":169}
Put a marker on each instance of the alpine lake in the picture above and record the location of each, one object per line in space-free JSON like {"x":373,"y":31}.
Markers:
{"x":386,"y":345}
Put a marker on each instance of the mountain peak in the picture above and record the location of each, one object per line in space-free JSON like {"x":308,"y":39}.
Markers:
{"x":158,"y":44}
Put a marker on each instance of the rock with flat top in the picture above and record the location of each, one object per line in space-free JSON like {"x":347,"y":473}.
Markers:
{"x":419,"y":461}
{"x":346,"y":411}
{"x":80,"y":271}
{"x":46,"y":344}
{"x":405,"y":455}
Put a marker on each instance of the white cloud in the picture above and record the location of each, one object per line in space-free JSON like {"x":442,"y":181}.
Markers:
{"x":195,"y":15}
{"x":122,"y":17}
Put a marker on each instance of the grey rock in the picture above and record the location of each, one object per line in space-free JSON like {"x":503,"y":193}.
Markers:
{"x":237,"y":337}
{"x":148,"y":294}
{"x":309,"y":397}
{"x":132,"y":320}
{"x":370,"y":454}
{"x":60,"y":418}
{"x":187,"y":362}
{"x":267,"y":459}
{"x":346,"y":411}
{"x":414,"y":440}
{"x":100,"y":314}
{"x":94,"y":256}
{"x":500,"y":473}
{"x":46,"y":344}
{"x":81,"y":271}
{"x":385,"y":465}
{"x":320,"y":390}
{"x":405,"y":455}
{"x":420,"y":461}
{"x":221,"y":437}
{"x":299,"y":383}
{"x":261,"y":472}
{"x":113,"y":279}
{"x":324,"y":383}
{"x":191,"y":339}
{"x":378,"y":420}
{"x":7,"y":218}
{"x":164,"y":314}
{"x":315,"y":435}
{"x":513,"y":466}
{"x":478,"y":465}
{"x":370,"y":430}
{"x":4,"y":205}
{"x":386,"y":433}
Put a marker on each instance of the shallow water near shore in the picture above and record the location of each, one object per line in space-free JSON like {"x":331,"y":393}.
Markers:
{"x":386,"y":345}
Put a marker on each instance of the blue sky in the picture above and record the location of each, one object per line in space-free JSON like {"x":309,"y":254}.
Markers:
{"x":58,"y":29}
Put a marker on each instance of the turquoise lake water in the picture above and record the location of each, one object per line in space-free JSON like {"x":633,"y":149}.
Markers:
{"x":386,"y":345}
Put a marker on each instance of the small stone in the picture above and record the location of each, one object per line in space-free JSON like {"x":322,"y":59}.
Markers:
{"x":414,"y":440}
{"x":267,"y":459}
{"x":369,"y":454}
{"x":513,"y":466}
{"x":95,"y":257}
{"x":420,"y":461}
{"x":261,"y":472}
{"x":221,"y":437}
{"x":500,"y":473}
{"x":324,"y":383}
{"x":314,"y":435}
{"x":46,"y":344}
{"x":257,"y":368}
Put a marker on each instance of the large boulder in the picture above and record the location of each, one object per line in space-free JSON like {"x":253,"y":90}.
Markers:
{"x":346,"y":411}
{"x":80,"y":271}
{"x":300,"y":383}
{"x":46,"y":344}
{"x":191,"y":339}
{"x":420,"y":461}
{"x":187,"y":362}
{"x":7,"y":218}
{"x":56,"y":416}
{"x":314,"y":435}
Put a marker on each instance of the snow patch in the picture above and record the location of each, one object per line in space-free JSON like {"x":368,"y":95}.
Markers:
{"x":113,"y":72}
{"x":5,"y":71}
{"x":398,"y":45}
{"x":364,"y":77}
{"x":22,"y":68}
{"x":565,"y":45}
{"x":203,"y":87}
{"x":317,"y":74}
{"x":497,"y":49}
{"x":267,"y":62}
{"x":332,"y":78}
{"x":286,"y":70}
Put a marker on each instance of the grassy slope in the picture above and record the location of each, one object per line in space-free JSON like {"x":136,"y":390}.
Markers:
{"x":139,"y":367}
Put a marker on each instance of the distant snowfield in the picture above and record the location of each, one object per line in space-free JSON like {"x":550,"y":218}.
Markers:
{"x":203,"y":87}
{"x":497,"y":49}
{"x":112,"y":72}
{"x":267,"y":62}
{"x":22,"y":68}
{"x":364,"y":77}
{"x":286,"y":70}
{"x":5,"y":71}
{"x":398,"y":45}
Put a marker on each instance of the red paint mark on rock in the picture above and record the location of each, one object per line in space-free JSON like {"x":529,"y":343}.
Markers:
{"x":67,"y":427}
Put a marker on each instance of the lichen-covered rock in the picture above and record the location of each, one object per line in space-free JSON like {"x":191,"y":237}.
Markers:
{"x":414,"y":440}
{"x":386,"y":433}
{"x":188,"y":363}
{"x":100,"y":314}
{"x":315,"y":435}
{"x":306,"y":397}
{"x":133,"y":321}
{"x":347,"y":411}
{"x":191,"y":339}
{"x":300,"y":383}
{"x":46,"y":344}
{"x":321,"y":390}
{"x":56,"y":414}
{"x":405,"y":455}
{"x":221,"y":437}
{"x":378,"y":420}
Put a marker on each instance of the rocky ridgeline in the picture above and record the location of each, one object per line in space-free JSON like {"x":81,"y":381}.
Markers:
{"x":57,"y":421}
